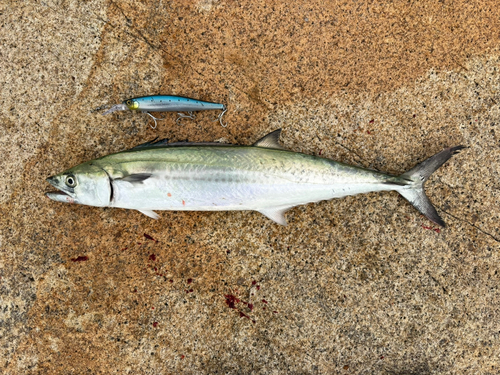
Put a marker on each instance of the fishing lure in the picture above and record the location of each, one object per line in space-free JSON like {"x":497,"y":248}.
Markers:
{"x":167,"y":103}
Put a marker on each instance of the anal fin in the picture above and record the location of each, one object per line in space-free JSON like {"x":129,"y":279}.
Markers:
{"x":150,"y":213}
{"x":276,"y":214}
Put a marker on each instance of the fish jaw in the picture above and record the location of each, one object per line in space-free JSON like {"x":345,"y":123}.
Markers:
{"x":60,"y":196}
{"x":115,"y":108}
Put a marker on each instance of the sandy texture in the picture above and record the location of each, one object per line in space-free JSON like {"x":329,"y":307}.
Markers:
{"x":361,"y":285}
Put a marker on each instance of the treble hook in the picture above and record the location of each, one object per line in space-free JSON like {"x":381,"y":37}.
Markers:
{"x":224,"y":110}
{"x":190,"y":115}
{"x":154,"y":118}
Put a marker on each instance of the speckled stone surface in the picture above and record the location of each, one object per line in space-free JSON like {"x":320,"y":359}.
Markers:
{"x":360,"y":285}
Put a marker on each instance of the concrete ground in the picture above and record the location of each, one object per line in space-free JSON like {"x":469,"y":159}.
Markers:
{"x":360,"y":285}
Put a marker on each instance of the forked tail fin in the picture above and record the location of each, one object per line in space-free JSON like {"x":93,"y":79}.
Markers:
{"x":414,"y":192}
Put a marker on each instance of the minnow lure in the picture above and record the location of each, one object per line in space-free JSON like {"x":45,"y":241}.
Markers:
{"x":219,"y":177}
{"x":167,"y":103}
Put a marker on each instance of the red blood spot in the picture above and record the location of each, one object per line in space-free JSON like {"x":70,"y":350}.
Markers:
{"x":135,"y":291}
{"x":258,"y":287}
{"x":264,"y":308}
{"x":152,"y":308}
{"x":125,"y":248}
{"x":414,"y":116}
{"x":139,"y":243}
{"x":437,"y":230}
{"x":190,"y":281}
{"x":368,"y":132}
{"x":171,"y":281}
{"x":183,"y":203}
{"x":264,"y":301}
{"x":275,"y":312}
{"x":149,"y":237}
{"x":80,"y":259}
{"x":254,"y":282}
{"x":381,"y":357}
{"x":155,"y":324}
{"x":190,"y":290}
{"x":320,"y":151}
{"x":152,"y":257}
{"x":156,"y":270}
{"x":250,"y":306}
{"x":228,"y":252}
{"x":372,"y":121}
{"x":244,"y":315}
{"x":253,"y":321}
{"x":182,"y":356}
{"x":168,"y":194}
{"x":231,"y":300}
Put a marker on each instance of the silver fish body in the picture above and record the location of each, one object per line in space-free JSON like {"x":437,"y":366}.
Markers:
{"x":215,"y":177}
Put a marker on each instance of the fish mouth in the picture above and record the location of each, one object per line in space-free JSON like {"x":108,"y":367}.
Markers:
{"x":58,"y":196}
{"x":116,"y":107}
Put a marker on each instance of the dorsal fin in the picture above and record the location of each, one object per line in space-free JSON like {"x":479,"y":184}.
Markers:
{"x":270,"y":141}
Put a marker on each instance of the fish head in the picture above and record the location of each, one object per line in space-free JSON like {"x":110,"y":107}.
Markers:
{"x":86,"y":184}
{"x":132,"y":104}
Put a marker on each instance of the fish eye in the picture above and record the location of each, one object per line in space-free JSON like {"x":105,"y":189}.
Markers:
{"x":71,"y":181}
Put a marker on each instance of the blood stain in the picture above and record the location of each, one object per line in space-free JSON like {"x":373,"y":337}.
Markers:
{"x":149,"y":237}
{"x":125,"y":248}
{"x":152,"y":257}
{"x":80,"y":259}
{"x":155,"y":324}
{"x":169,"y":195}
{"x":275,"y":312}
{"x":254,"y":282}
{"x":264,"y":301}
{"x":171,"y":281}
{"x":182,"y":356}
{"x":258,"y":287}
{"x":190,"y":281}
{"x":250,"y":306}
{"x":372,"y":121}
{"x":231,"y":300}
{"x":242,"y":314}
{"x":437,"y":230}
{"x":183,"y":203}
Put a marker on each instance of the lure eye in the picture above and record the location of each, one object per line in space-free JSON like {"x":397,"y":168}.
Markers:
{"x":71,"y":181}
{"x":129,"y":102}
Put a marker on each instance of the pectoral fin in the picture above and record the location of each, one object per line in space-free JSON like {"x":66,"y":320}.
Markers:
{"x":276,"y":214}
{"x":136,"y":178}
{"x":150,"y":213}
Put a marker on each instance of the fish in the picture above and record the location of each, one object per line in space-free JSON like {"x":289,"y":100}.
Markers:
{"x":168,"y":103}
{"x":263,"y":177}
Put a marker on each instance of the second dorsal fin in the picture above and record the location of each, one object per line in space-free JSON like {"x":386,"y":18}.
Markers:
{"x":270,"y":141}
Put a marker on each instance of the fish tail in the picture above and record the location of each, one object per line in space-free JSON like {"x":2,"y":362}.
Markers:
{"x":414,"y":191}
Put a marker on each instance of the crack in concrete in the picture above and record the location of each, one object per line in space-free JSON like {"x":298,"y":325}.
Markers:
{"x":472,"y":225}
